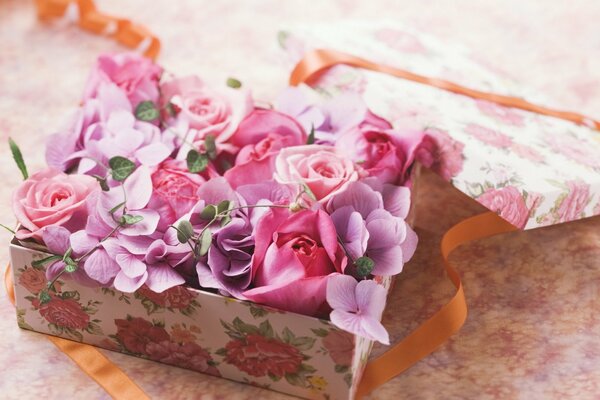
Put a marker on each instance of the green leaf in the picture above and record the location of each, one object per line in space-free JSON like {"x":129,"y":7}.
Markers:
{"x":73,"y":294}
{"x":257,"y":312}
{"x":221,"y":352}
{"x":208,"y":213}
{"x":18,"y":156}
{"x":115,"y":208}
{"x":288,"y":335}
{"x":266,"y":329}
{"x":304,"y":343}
{"x":205,"y":242}
{"x":340,"y":369}
{"x":196,"y":162}
{"x":146,"y":111}
{"x":210,"y":147}
{"x":282,"y":37}
{"x":70,"y":268}
{"x":44,"y":297}
{"x":309,"y":192}
{"x":364,"y":266}
{"x":46,"y":260}
{"x":320,"y":332}
{"x":226,"y":219}
{"x":185,"y":231}
{"x":102,"y":181}
{"x":234,"y":83}
{"x":7,"y":228}
{"x":311,"y":136}
{"x":120,"y":168}
{"x":223,"y":206}
{"x":129,"y":219}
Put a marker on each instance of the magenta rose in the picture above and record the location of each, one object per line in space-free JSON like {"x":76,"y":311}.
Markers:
{"x":175,"y":191}
{"x":293,"y":256}
{"x":385,"y":154}
{"x":135,"y":333}
{"x":322,"y":168}
{"x":63,"y":312}
{"x":206,"y":110}
{"x":135,"y":75}
{"x":261,"y":136}
{"x":508,"y":203}
{"x":574,"y":203}
{"x":50,"y":198}
{"x":442,"y":154}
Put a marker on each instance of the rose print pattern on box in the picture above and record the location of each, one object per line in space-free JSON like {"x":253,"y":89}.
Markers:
{"x":175,"y":299}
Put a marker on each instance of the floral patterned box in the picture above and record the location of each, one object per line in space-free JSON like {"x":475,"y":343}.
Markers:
{"x":533,"y":170}
{"x":196,"y":330}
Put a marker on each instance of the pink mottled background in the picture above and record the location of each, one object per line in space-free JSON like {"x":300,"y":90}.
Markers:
{"x":534,"y":326}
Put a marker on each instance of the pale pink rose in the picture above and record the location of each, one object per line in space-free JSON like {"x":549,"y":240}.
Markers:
{"x":208,"y":111}
{"x":442,"y":154}
{"x":489,"y":136}
{"x":578,"y":150}
{"x":49,"y":198}
{"x":174,"y":191}
{"x":321,"y":168}
{"x":527,"y":152}
{"x":135,"y":75}
{"x":385,"y":154}
{"x":508,"y":203}
{"x":401,"y":41}
{"x":573,"y":204}
{"x":504,"y":114}
{"x":261,"y":135}
{"x":294,"y":255}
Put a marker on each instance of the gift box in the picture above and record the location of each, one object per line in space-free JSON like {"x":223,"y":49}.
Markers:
{"x":530,"y":169}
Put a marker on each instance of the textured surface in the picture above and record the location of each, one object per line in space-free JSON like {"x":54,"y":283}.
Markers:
{"x":533,"y":327}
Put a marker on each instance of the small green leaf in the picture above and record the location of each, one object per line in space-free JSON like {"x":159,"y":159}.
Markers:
{"x":282,"y":37}
{"x":265,"y":329}
{"x":46,"y":260}
{"x":128,"y":219}
{"x":340,"y":369}
{"x":18,"y":156}
{"x":115,"y":208}
{"x":320,"y":332}
{"x":185,"y":231}
{"x":223,"y":206}
{"x":196,"y":162}
{"x":210,"y":147}
{"x":234,"y":83}
{"x":44,"y":297}
{"x":121,"y":168}
{"x":102,"y":181}
{"x":364,"y":266}
{"x":146,"y":111}
{"x":205,"y":242}
{"x":311,"y":136}
{"x":208,"y":213}
{"x":309,"y":192}
{"x":70,"y":262}
{"x":70,"y":268}
{"x":225,"y":220}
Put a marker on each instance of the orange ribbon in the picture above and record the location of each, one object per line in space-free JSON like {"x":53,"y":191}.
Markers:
{"x":318,"y":61}
{"x":125,"y":32}
{"x":90,"y":360}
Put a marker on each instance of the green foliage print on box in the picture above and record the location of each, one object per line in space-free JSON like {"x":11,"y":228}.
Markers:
{"x":339,"y":345}
{"x":175,"y":299}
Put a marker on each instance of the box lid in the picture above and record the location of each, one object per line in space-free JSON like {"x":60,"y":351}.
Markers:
{"x":533,"y":170}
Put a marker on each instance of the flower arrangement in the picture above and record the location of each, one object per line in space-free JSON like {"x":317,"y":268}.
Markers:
{"x":155,"y":183}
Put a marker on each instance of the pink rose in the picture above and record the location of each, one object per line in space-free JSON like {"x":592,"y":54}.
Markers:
{"x":66,"y":313}
{"x":489,"y":136}
{"x":442,"y":154}
{"x":527,"y":152}
{"x":340,"y":345}
{"x":206,"y":110}
{"x":508,"y":203}
{"x":261,"y":135}
{"x":136,"y":75}
{"x":34,"y":280}
{"x":184,"y":355}
{"x":573,"y":204}
{"x":294,"y":255}
{"x":504,"y":114}
{"x":321,"y":168}
{"x":49,"y":198}
{"x":581,"y":151}
{"x":175,"y":191}
{"x":387,"y":154}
